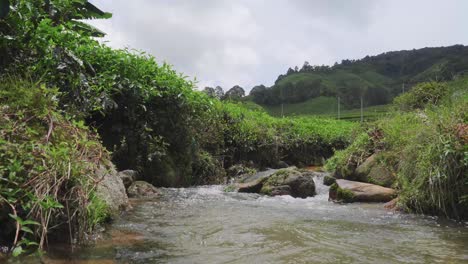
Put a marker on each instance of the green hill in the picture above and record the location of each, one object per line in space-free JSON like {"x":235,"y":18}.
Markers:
{"x":377,"y":79}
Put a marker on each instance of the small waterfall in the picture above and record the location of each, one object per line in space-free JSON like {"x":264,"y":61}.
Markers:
{"x":320,"y":188}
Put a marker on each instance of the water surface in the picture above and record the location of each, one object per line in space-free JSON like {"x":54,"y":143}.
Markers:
{"x":207,"y":225}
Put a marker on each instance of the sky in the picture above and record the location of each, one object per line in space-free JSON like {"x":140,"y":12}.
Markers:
{"x":251,"y":42}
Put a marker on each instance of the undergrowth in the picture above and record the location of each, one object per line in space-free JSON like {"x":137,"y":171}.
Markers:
{"x":47,"y":169}
{"x":425,"y":143}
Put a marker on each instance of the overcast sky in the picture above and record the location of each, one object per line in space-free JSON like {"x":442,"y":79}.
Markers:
{"x":250,"y":42}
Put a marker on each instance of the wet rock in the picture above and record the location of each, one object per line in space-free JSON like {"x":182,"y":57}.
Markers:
{"x":352,"y":191}
{"x":281,"y":190}
{"x":128,"y":177}
{"x":328,"y":180}
{"x":239,"y":170}
{"x":111,"y":189}
{"x":252,"y":186}
{"x":392,"y":205}
{"x":301,"y":185}
{"x":142,"y":189}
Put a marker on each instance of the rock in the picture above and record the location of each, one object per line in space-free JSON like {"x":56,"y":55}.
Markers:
{"x":301,"y":185}
{"x":282,"y":165}
{"x":363,"y":170}
{"x":281,"y":190}
{"x":352,"y":191}
{"x":328,"y":180}
{"x":392,"y":205}
{"x":142,"y":189}
{"x":374,"y":172}
{"x":246,"y":178}
{"x":238,"y":170}
{"x":380,"y":175}
{"x":128,"y":177}
{"x":111,"y":189}
{"x":251,"y":186}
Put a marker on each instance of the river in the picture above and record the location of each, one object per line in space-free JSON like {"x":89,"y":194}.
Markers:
{"x":206,"y":225}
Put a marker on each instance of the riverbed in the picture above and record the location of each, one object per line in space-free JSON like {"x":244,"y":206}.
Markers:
{"x":207,"y":225}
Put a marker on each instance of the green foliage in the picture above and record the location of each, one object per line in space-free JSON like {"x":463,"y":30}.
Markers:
{"x":344,"y":162}
{"x":256,"y":136}
{"x":421,"y":95}
{"x":325,"y":107}
{"x":426,"y":148}
{"x":47,"y":166}
{"x":376,"y":79}
{"x":432,"y":155}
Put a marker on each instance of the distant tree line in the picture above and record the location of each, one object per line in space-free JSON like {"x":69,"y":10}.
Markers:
{"x":235,"y":93}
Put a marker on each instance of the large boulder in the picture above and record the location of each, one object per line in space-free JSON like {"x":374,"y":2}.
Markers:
{"x":372,"y":171}
{"x":252,"y":183}
{"x":352,"y":191}
{"x":289,"y":182}
{"x":142,"y":189}
{"x":111,"y":189}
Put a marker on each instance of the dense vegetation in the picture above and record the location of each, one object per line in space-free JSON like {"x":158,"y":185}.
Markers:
{"x":66,"y":98}
{"x":376,"y":79}
{"x":424,"y":142}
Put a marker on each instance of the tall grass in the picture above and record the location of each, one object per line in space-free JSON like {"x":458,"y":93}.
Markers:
{"x":47,"y":169}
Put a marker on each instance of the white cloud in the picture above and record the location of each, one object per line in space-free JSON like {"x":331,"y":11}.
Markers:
{"x":249,"y":42}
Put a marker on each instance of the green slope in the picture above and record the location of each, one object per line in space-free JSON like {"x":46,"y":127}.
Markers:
{"x":378,"y":79}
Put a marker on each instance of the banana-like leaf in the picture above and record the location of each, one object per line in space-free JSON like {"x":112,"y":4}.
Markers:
{"x":90,"y":11}
{"x":96,"y":12}
{"x":81,"y":26}
{"x":4,"y":8}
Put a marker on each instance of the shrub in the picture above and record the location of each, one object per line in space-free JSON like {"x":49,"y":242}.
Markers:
{"x":421,"y":95}
{"x":47,"y":167}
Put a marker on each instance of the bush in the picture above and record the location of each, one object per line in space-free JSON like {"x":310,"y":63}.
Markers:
{"x":421,"y":95}
{"x":47,"y":168}
{"x":427,"y":149}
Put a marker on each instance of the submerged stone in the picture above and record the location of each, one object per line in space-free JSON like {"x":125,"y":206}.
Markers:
{"x":142,"y":189}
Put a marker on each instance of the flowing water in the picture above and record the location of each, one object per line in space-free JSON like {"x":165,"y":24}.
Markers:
{"x":207,"y":225}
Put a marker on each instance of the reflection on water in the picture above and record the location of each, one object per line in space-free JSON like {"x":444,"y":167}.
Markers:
{"x":206,"y":225}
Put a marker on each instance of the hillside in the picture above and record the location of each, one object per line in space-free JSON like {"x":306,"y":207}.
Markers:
{"x":378,"y":79}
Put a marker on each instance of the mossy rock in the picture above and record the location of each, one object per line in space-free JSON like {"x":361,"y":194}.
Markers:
{"x":380,"y":175}
{"x":328,"y":180}
{"x":289,"y":182}
{"x":341,"y":195}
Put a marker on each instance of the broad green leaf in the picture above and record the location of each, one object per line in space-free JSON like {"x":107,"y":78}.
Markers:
{"x":17,"y":251}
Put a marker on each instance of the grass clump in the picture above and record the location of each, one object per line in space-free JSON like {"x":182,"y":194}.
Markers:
{"x":47,"y":167}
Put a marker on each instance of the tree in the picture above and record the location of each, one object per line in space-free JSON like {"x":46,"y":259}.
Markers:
{"x":219,"y":92}
{"x":259,"y":94}
{"x":210,"y":91}
{"x":235,"y":93}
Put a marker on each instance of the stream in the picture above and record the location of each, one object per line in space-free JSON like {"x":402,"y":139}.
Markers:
{"x":206,"y":225}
